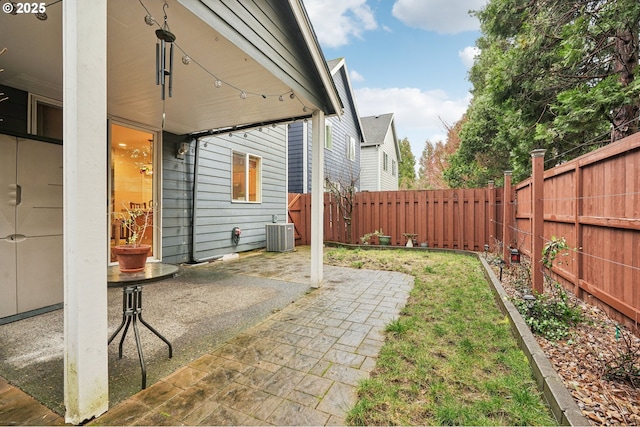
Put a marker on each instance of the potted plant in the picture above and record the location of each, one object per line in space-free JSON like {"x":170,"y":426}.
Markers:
{"x":383,"y":239}
{"x":411,"y":239}
{"x":132,"y":256}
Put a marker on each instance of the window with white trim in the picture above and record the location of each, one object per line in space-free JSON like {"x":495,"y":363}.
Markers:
{"x":351,"y":148}
{"x":385,"y":161}
{"x":328,"y":136}
{"x":246,"y":178}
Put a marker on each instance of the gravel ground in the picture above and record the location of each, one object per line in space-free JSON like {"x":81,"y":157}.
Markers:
{"x":581,"y":359}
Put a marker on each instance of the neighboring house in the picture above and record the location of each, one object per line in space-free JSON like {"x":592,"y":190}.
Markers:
{"x":207,"y":156}
{"x":343,"y":138}
{"x":380,"y":154}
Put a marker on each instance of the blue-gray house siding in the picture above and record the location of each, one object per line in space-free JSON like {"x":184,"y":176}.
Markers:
{"x":297,"y":158}
{"x":337,"y":166}
{"x":215,"y":213}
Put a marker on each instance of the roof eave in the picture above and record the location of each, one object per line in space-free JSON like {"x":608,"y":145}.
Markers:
{"x":335,"y":106}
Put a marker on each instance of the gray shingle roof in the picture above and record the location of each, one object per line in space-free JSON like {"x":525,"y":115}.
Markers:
{"x":376,"y":127}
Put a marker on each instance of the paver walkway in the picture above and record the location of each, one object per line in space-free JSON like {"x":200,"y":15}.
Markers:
{"x":300,"y":366}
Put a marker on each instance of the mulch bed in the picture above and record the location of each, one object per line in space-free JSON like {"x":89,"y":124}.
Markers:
{"x":582,"y":358}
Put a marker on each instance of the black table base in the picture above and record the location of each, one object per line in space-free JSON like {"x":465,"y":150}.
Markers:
{"x":131,"y":313}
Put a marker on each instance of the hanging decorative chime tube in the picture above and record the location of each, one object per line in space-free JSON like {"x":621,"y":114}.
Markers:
{"x":164,"y":36}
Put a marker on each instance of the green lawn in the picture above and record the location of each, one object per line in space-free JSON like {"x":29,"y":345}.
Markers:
{"x":451,"y":358}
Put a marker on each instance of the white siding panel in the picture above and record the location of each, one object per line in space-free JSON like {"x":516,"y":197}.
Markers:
{"x":371,"y":165}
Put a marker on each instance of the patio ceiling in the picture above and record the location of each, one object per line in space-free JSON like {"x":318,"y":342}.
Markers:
{"x":33,"y":62}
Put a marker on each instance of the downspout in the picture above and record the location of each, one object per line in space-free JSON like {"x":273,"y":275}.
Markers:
{"x":194,"y":209}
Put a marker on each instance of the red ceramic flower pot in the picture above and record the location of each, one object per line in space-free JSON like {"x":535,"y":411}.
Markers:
{"x":131,"y":259}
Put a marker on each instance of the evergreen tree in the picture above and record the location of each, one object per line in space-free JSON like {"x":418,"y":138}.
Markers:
{"x":407,"y":166}
{"x":551,"y":74}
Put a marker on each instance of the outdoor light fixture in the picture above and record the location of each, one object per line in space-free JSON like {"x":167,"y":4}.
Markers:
{"x":530,"y":300}
{"x":486,"y":249}
{"x":183,"y":148}
{"x":164,"y":36}
{"x":515,"y":256}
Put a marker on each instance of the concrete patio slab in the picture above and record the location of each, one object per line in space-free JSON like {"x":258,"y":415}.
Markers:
{"x":253,"y":344}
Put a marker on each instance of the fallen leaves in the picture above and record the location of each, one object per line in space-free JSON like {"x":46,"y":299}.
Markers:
{"x":579,"y":362}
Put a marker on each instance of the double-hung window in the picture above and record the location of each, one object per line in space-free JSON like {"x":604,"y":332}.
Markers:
{"x":385,"y":162}
{"x":246,"y":178}
{"x":351,"y":148}
{"x":328,"y":136}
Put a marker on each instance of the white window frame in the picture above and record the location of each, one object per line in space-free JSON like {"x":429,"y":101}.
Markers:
{"x":328,"y":136}
{"x":247,"y":157}
{"x":32,"y":110}
{"x":385,"y":161}
{"x":351,"y":148}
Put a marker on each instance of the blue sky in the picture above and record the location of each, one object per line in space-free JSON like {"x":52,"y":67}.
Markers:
{"x":407,"y":57}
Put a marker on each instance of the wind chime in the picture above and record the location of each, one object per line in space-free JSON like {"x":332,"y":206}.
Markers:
{"x":164,"y":36}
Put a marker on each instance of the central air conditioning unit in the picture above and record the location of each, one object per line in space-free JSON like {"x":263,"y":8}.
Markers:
{"x":279,"y":237}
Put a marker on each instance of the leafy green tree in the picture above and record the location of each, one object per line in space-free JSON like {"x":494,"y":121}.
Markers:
{"x":407,"y":166}
{"x":551,"y":74}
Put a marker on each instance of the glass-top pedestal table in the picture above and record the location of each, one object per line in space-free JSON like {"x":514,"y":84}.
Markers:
{"x":131,"y":284}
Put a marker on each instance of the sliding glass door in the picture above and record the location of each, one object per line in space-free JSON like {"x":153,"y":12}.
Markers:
{"x":132,"y":185}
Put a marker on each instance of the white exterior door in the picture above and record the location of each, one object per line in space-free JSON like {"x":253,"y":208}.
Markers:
{"x":31,"y":245}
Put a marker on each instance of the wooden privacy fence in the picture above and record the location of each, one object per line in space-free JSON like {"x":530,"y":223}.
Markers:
{"x":592,"y":201}
{"x":454,"y":219}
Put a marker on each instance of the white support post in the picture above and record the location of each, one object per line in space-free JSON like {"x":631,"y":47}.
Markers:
{"x":86,"y":376}
{"x":317,"y":197}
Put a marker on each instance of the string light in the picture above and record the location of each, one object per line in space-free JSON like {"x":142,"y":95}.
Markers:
{"x":218,"y":82}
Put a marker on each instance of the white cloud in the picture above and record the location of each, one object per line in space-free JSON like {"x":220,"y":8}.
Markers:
{"x":468,"y":55}
{"x":442,"y":16}
{"x":336,"y":21}
{"x":419,"y":115}
{"x":355,"y":76}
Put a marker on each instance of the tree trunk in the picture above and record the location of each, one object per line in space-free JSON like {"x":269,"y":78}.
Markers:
{"x":626,"y":61}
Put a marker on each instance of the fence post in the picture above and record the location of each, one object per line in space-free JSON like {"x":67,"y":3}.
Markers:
{"x":537,"y":224}
{"x":492,"y":213}
{"x":506,"y":218}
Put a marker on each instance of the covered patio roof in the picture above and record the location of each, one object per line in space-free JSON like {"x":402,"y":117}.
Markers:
{"x":265,"y":50}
